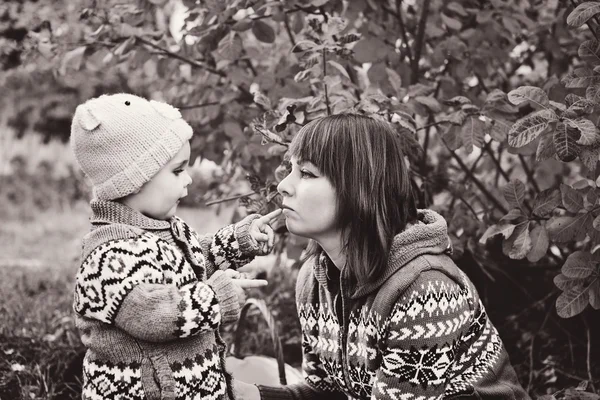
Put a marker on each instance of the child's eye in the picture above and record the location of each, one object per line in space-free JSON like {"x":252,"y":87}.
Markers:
{"x":177,"y":172}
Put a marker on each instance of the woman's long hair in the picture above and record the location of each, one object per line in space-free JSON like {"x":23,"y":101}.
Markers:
{"x":364,"y":160}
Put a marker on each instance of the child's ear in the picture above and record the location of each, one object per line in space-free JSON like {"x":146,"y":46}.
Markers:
{"x":87,"y":120}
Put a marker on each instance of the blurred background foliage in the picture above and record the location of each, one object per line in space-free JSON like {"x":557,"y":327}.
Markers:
{"x":496,"y":101}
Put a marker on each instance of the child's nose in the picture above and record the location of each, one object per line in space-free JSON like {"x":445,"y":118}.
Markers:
{"x":189,"y":179}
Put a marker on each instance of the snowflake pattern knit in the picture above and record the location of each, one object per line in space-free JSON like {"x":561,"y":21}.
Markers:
{"x":420,"y":332}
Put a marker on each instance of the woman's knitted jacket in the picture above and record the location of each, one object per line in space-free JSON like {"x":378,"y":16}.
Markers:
{"x":149,"y":298}
{"x":419,"y":331}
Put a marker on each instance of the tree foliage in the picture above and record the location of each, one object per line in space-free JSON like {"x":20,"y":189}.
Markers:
{"x":496,"y":101}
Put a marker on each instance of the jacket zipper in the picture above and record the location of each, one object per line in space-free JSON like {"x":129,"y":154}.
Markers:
{"x":343,"y":340}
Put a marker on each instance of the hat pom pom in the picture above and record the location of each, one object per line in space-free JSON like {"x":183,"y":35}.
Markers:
{"x":165,"y":110}
{"x":87,"y":120}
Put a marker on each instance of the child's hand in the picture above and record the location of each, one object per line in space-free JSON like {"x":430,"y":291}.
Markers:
{"x":241,"y":282}
{"x":261,"y":231}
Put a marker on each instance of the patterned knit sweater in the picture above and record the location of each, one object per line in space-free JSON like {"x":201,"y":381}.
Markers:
{"x":420,"y":332}
{"x":149,"y":298}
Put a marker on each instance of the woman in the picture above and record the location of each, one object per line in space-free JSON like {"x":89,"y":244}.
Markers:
{"x":385,"y":312}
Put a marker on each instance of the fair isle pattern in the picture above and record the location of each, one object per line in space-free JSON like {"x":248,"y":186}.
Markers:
{"x":112,"y":269}
{"x":433,"y":299}
{"x":193,"y":244}
{"x":424,"y":367}
{"x":224,"y":251}
{"x":107,"y":381}
{"x":200,"y":377}
{"x":383,"y":390}
{"x":361,"y":380}
{"x":321,"y":328}
{"x":199,"y":310}
{"x":364,"y":333}
{"x":478,"y":360}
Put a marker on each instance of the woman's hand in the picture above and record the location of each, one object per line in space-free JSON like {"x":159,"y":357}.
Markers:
{"x":261,"y":231}
{"x":245,"y":391}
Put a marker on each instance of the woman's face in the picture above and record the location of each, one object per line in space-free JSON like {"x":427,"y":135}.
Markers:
{"x":309,"y":201}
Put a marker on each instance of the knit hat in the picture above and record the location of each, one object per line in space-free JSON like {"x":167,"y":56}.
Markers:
{"x":121,"y":141}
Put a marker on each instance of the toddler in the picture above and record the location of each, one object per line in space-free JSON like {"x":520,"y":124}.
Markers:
{"x":151,"y":293}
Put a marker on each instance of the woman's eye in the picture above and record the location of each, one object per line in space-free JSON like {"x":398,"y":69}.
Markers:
{"x":306,"y":174}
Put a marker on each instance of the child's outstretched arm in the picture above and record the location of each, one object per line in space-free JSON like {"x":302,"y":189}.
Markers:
{"x":237,"y":244}
{"x":123,"y":283}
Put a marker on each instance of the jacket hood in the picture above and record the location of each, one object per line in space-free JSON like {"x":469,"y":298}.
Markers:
{"x":428,"y":236}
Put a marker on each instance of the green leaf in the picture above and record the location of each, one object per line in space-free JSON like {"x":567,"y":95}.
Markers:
{"x":546,"y":201}
{"x":527,"y":129}
{"x":519,"y":244}
{"x":581,"y":78}
{"x":568,"y":229}
{"x":590,"y":51}
{"x":231,"y":46}
{"x":262,"y":100}
{"x":514,"y":193}
{"x":532,"y":95}
{"x":430,"y":102}
{"x":335,"y":25}
{"x":457,"y":8}
{"x":370,"y":49}
{"x":571,"y":198}
{"x":395,"y":80}
{"x":453,"y":137}
{"x":582,"y":13}
{"x":263,"y":31}
{"x":457,"y":101}
{"x":72,"y":60}
{"x":242,"y":25}
{"x":592,"y":92}
{"x":497,"y":229}
{"x":587,"y":129}
{"x":579,"y":265}
{"x":349,"y":38}
{"x":339,"y":67}
{"x":571,"y":302}
{"x":450,"y":22}
{"x":589,"y":156}
{"x":473,"y":133}
{"x":514,"y":215}
{"x":564,"y":283}
{"x":565,"y":142}
{"x":545,"y":148}
{"x":539,"y":243}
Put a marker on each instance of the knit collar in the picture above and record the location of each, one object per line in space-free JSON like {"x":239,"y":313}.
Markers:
{"x":112,"y":212}
{"x":430,"y":236}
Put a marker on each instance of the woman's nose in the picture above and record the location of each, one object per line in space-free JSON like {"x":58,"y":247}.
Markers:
{"x":285,"y":188}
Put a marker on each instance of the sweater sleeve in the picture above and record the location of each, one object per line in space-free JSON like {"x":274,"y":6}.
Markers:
{"x":317,"y":385}
{"x":423,"y":335}
{"x":230,"y":247}
{"x":122,"y":283}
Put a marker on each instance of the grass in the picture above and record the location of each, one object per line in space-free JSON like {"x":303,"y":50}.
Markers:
{"x":38,"y":340}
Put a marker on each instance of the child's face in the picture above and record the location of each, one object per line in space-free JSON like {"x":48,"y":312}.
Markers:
{"x":159,"y":197}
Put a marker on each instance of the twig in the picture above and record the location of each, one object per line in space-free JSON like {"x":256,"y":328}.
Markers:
{"x":403,"y":31}
{"x":419,"y":42}
{"x":181,"y":58}
{"x":325,"y":84}
{"x":476,"y":181}
{"x":529,"y":173}
{"x":531,"y":348}
{"x":432,"y":124}
{"x":288,"y":29}
{"x":210,"y":103}
{"x":589,"y":348}
{"x":237,"y":196}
